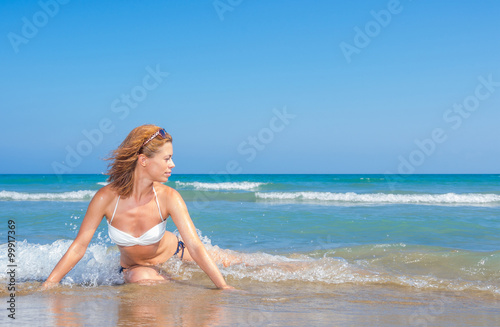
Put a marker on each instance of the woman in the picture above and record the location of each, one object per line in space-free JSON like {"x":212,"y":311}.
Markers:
{"x":136,"y":205}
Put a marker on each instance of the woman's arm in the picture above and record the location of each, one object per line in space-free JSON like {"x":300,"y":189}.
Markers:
{"x":180,"y":216}
{"x":95,"y":213}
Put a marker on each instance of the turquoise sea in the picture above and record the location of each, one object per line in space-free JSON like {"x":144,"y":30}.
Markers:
{"x":416,"y":234}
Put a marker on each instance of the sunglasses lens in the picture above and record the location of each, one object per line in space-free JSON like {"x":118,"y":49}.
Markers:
{"x":163,"y":133}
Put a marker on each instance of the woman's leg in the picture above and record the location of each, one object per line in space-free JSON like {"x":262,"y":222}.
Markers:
{"x":218,"y":255}
{"x":138,"y":274}
{"x":224,"y":257}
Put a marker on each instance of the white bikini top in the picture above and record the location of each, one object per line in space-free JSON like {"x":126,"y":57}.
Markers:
{"x":152,"y":236}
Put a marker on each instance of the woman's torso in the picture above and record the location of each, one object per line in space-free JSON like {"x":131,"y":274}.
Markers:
{"x":132,"y":222}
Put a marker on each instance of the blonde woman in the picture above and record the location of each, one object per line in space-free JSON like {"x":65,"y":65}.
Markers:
{"x":136,"y":205}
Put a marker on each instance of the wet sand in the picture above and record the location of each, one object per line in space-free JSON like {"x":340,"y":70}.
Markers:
{"x":261,"y":304}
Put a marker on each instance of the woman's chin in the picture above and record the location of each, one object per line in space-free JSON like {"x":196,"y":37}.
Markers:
{"x":164,"y":178}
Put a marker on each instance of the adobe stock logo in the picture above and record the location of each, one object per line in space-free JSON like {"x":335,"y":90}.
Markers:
{"x":223,"y":6}
{"x":121,"y":106}
{"x":31,"y":27}
{"x":454,"y":119}
{"x":266,"y":135}
{"x":363,"y":37}
{"x":249,"y":150}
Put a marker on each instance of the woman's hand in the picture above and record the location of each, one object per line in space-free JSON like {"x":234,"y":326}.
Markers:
{"x":48,"y":285}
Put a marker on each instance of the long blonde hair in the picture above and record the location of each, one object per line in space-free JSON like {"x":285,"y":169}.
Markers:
{"x":124,"y":158}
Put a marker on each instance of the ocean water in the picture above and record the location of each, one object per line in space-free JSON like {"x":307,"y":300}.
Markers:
{"x":317,"y":234}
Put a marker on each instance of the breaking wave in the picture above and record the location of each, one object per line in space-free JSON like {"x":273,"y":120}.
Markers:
{"x":382,"y":198}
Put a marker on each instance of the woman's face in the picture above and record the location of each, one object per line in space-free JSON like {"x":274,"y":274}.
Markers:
{"x":161,"y":164}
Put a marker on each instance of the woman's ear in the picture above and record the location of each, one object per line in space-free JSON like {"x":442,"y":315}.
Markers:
{"x":142,"y":160}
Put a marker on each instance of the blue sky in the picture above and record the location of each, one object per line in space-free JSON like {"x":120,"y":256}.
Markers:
{"x":253,"y":86}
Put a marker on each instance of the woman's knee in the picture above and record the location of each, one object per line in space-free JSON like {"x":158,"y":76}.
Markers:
{"x":137,"y":274}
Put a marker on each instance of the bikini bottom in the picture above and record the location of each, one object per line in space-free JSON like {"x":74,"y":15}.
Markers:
{"x":180,"y":248}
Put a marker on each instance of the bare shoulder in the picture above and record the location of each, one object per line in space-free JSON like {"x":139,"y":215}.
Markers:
{"x":106,"y":192}
{"x":165,"y":191}
{"x":171,"y":201}
{"x":167,"y":194}
{"x":104,"y":197}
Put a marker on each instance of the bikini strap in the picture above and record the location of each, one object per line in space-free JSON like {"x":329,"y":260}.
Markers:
{"x":158,"y":203}
{"x":116,"y":206}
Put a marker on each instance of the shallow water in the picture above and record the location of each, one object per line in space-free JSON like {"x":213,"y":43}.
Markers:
{"x":318,"y":250}
{"x":298,"y":304}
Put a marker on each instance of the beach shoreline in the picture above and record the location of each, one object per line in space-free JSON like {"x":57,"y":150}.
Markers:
{"x":190,"y":304}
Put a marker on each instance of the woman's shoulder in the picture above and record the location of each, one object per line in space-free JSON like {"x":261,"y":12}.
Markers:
{"x":169,"y":198}
{"x":162,"y":188}
{"x":105,"y":194}
{"x":165,"y":191}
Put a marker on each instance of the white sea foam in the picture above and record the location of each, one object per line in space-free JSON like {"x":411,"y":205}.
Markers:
{"x":221,"y":186}
{"x":267,"y":268}
{"x":382,"y":198}
{"x":83,"y":195}
{"x":100,"y":264}
{"x":103,"y":183}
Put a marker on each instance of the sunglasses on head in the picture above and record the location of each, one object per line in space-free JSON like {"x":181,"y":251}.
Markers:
{"x":161,"y":132}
